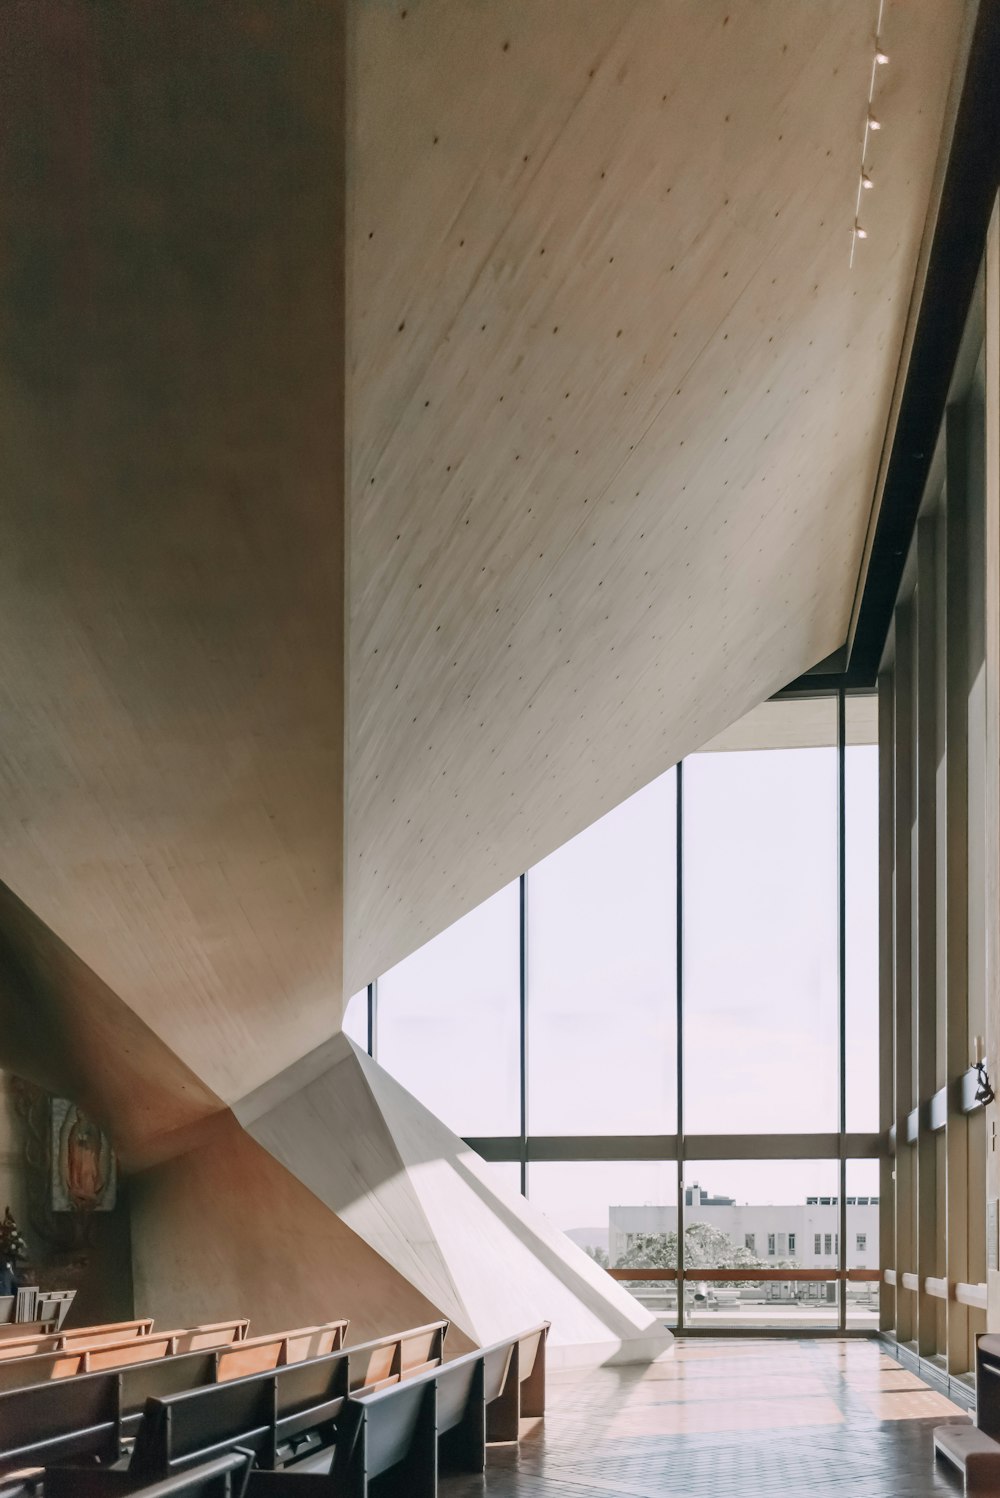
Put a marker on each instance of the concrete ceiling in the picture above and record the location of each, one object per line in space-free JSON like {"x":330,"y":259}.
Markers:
{"x":171,"y":537}
{"x":614,"y":409}
{"x":618,"y":401}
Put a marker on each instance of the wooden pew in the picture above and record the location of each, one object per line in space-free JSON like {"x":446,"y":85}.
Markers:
{"x":402,"y":1434}
{"x":441,"y":1419}
{"x":276,"y":1415}
{"x":277,"y":1349}
{"x":53,"y":1428}
{"x":288,"y":1414}
{"x":24,"y":1341}
{"x":93,"y":1416}
{"x":19,"y":1373}
{"x":435,"y":1419}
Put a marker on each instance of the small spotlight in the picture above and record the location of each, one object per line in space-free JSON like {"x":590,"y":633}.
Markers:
{"x":866,"y":182}
{"x":881,"y":58}
{"x":873,"y":123}
{"x":859,"y":232}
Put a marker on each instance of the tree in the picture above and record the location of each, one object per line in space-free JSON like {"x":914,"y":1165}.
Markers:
{"x":705,"y":1247}
{"x":598,"y":1255}
{"x":12,"y":1244}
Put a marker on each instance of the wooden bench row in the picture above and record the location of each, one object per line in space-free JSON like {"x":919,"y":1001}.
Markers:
{"x":316,"y":1429}
{"x":22,"y":1341}
{"x":236,"y":1354}
{"x":96,"y":1416}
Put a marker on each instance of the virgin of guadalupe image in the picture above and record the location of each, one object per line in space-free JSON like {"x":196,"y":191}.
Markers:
{"x":84,"y":1172}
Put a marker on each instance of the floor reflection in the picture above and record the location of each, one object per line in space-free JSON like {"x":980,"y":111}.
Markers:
{"x":720,"y":1417}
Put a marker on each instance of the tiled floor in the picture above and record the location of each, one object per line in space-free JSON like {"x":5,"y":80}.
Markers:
{"x":733,"y":1419}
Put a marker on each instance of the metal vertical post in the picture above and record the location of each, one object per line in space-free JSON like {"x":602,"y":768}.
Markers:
{"x":373,"y":1019}
{"x":523,"y":1022}
{"x":842,"y":980}
{"x":679,"y":1038}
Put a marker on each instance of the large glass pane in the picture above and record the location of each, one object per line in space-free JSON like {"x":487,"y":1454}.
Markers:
{"x":602,"y":974}
{"x":449,"y":1020}
{"x":768,"y":1215}
{"x":505,"y":1174}
{"x":862,"y":1242}
{"x":607,"y":1207}
{"x":861,"y":912}
{"x":761,"y":989}
{"x":356,"y":1019}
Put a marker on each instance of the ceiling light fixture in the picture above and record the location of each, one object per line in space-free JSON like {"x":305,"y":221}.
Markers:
{"x":872,"y":123}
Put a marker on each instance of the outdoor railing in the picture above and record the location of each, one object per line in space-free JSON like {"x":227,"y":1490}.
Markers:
{"x":863,"y":1276}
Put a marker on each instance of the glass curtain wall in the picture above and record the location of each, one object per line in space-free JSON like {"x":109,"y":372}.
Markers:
{"x":664,"y":1031}
{"x":940,"y":804}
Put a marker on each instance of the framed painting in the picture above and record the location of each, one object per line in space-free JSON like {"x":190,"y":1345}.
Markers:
{"x":84,"y":1169}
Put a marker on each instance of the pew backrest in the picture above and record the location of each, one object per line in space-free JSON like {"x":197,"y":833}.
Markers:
{"x":515,"y":1382}
{"x":112,"y":1331}
{"x":308,"y":1398}
{"x":38,"y":1338}
{"x":531,"y":1346}
{"x":275,"y":1350}
{"x":385,"y":1360}
{"x":393,"y":1426}
{"x":496,"y":1369}
{"x":53,"y":1421}
{"x":212,"y":1334}
{"x":28,"y":1342}
{"x":39,"y":1429}
{"x":259,"y":1412}
{"x":122,"y":1354}
{"x":20,"y":1372}
{"x":400,"y":1427}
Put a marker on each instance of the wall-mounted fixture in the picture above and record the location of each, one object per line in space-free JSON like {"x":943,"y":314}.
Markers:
{"x":984,"y":1091}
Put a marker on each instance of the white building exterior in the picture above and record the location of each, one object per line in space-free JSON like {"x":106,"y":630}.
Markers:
{"x":806,"y":1234}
